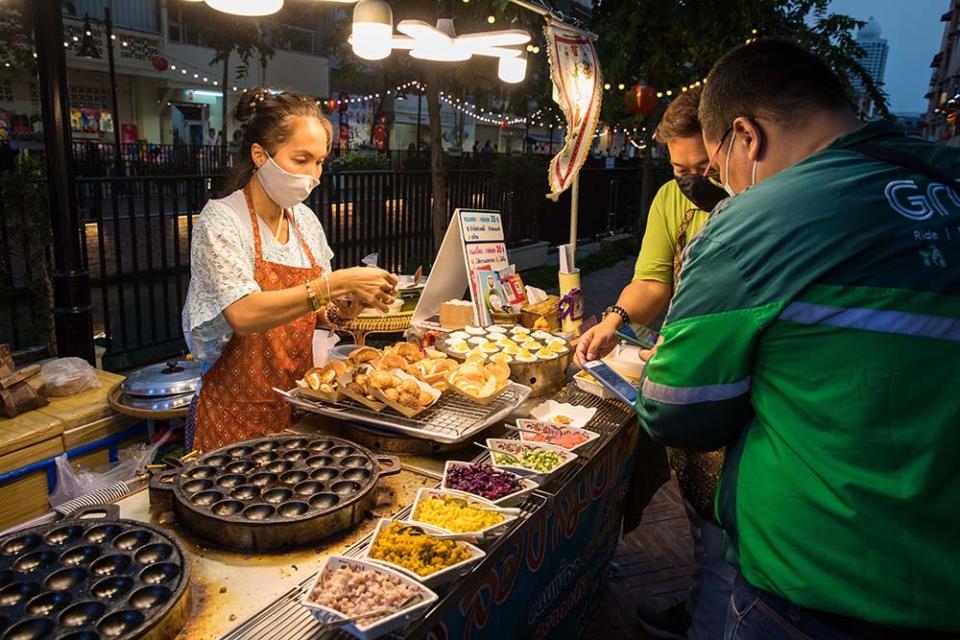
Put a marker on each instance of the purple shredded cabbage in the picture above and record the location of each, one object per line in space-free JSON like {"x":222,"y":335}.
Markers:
{"x":482,"y":480}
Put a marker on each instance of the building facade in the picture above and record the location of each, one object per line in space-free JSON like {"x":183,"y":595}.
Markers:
{"x":940,"y":120}
{"x":170,"y":92}
{"x":168,"y":89}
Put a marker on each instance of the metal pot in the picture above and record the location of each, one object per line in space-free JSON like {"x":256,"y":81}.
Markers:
{"x":542,"y":376}
{"x":171,"y":378}
{"x":162,"y":387}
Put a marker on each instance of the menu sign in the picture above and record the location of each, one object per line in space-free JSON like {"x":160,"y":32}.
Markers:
{"x":473,"y":246}
{"x":483,"y":250}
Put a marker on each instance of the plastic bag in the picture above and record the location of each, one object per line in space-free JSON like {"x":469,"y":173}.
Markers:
{"x":73,"y":483}
{"x":323,"y":341}
{"x":69,"y":376}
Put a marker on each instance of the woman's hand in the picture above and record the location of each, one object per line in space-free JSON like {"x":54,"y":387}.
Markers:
{"x":348,"y":309}
{"x":598,"y":341}
{"x":370,"y":286}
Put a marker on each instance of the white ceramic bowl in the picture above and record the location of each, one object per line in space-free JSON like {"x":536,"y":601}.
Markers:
{"x":438,"y":577}
{"x":511,"y":499}
{"x":579,"y":416}
{"x":499,"y":443}
{"x":383,"y":626}
{"x":425,"y":493}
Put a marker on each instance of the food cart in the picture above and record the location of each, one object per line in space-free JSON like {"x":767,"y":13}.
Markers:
{"x":246,"y":571}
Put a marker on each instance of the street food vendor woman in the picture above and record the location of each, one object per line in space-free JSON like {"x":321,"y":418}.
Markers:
{"x":260,"y":274}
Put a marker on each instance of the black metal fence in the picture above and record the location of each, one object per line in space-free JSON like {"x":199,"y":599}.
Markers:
{"x":136,"y":240}
{"x":144,"y":159}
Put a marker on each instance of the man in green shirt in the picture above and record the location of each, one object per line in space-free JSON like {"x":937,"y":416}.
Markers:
{"x":673,"y":220}
{"x":677,"y":212}
{"x":816,"y":334}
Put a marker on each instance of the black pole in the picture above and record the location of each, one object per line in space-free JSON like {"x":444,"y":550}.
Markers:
{"x":72,"y":313}
{"x":118,"y":159}
{"x":419,"y":111}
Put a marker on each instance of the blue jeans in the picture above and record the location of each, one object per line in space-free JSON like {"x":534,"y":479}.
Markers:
{"x":759,"y":615}
{"x":712,"y":580}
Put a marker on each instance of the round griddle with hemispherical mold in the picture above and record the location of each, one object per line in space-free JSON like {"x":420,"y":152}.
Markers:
{"x":92,"y":579}
{"x":278,"y":492}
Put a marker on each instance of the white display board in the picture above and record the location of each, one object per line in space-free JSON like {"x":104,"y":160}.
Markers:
{"x":473,"y":243}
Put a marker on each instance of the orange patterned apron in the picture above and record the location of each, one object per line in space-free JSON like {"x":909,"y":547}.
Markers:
{"x":236,"y":400}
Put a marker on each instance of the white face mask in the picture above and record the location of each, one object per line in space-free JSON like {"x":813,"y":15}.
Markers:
{"x":284,"y":188}
{"x":753,"y":173}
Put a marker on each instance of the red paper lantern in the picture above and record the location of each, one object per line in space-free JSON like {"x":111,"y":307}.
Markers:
{"x":331,"y":105}
{"x":160,"y":64}
{"x":640,"y":99}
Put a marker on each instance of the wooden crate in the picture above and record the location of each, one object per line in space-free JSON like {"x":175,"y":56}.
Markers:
{"x":26,"y":497}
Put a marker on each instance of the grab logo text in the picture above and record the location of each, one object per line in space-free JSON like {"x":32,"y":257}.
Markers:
{"x":918,"y":203}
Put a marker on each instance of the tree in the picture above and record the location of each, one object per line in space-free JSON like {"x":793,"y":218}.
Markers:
{"x":227,"y":34}
{"x":673,"y":43}
{"x":476,"y":78}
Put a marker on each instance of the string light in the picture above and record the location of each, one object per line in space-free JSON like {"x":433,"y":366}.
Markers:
{"x":493,"y":118}
{"x":542,"y":117}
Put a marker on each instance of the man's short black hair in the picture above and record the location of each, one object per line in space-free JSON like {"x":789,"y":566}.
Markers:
{"x":771,"y":77}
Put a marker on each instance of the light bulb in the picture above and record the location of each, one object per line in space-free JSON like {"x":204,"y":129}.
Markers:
{"x":246,"y":7}
{"x":512,"y":70}
{"x":372,"y":32}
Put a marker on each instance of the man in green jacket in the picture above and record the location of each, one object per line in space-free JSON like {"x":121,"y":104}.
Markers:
{"x":816,"y":333}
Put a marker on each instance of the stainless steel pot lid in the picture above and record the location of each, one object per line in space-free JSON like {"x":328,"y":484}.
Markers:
{"x":159,"y":403}
{"x":169,"y":378}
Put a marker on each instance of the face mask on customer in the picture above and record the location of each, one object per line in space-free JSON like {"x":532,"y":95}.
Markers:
{"x":285,"y":188}
{"x":701,"y":191}
{"x":753,"y":173}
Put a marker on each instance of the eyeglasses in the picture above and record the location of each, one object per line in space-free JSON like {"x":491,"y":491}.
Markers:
{"x":716,"y":152}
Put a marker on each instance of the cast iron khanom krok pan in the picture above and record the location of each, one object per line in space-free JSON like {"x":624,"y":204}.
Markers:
{"x":275,"y":492}
{"x":87,"y":579}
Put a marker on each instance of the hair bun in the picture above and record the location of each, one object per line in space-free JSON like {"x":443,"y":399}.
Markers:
{"x":250,"y":100}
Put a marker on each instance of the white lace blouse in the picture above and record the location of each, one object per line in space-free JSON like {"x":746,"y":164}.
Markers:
{"x":222,"y":263}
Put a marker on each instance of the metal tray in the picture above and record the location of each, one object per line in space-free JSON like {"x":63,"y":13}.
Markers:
{"x":285,"y":618}
{"x":453,"y":419}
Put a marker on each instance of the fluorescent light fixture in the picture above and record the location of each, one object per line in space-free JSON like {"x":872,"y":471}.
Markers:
{"x":204,"y":92}
{"x":246,"y":7}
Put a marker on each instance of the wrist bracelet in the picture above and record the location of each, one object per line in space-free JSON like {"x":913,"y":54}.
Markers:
{"x":312,"y":297}
{"x":620,"y":311}
{"x":333,"y":317}
{"x":326,"y":277}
